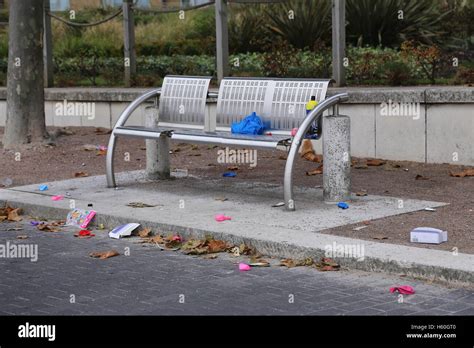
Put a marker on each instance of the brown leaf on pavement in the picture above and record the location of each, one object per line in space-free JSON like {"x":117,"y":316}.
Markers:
{"x":233,"y":168}
{"x":326,"y":265}
{"x":361,"y":193}
{"x":217,"y":246}
{"x":102,"y":131}
{"x":380,"y":237}
{"x":22,"y":237}
{"x":421,"y":177}
{"x":13,"y":215}
{"x":316,"y":171}
{"x":104,"y":254}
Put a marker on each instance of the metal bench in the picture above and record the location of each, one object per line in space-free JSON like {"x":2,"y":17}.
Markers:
{"x":182,"y":116}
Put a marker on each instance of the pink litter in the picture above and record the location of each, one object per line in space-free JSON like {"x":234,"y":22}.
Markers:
{"x":222,"y":217}
{"x":57,"y":198}
{"x":404,"y":289}
{"x":244,"y":267}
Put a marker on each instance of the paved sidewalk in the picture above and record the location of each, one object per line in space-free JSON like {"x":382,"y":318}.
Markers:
{"x":154,"y":282}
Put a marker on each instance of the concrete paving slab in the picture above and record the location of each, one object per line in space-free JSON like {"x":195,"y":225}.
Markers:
{"x":187,"y":205}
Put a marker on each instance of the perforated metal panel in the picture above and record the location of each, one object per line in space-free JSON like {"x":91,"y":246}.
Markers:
{"x":183,"y":99}
{"x":280,"y":102}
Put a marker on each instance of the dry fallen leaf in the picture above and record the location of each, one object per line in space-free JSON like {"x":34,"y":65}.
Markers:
{"x":140,"y":205}
{"x":80,"y":174}
{"x":326,"y":264}
{"x":146,"y":232}
{"x":217,"y":246}
{"x":462,"y":174}
{"x":421,"y":177}
{"x":222,"y":199}
{"x":380,"y":237}
{"x":282,"y":157}
{"x":50,"y":227}
{"x":102,"y":131}
{"x":210,"y":256}
{"x":13,"y":215}
{"x":316,"y":171}
{"x":101,"y":153}
{"x":361,"y":166}
{"x":375,"y":162}
{"x":22,"y":237}
{"x":104,"y":254}
{"x":233,"y":168}
{"x":361,"y":193}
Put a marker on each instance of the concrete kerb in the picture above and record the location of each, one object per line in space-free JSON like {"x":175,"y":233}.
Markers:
{"x":381,"y":257}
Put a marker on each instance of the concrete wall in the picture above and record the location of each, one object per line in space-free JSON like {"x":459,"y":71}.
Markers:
{"x":443,"y":132}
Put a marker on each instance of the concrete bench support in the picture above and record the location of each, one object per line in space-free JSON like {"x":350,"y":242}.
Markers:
{"x":157,"y":151}
{"x":337,"y":158}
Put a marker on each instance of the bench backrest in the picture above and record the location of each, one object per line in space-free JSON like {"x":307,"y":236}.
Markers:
{"x":280,"y":102}
{"x":183,"y":99}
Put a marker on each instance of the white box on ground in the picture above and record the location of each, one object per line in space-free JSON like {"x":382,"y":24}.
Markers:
{"x":123,"y":230}
{"x":428,"y":235}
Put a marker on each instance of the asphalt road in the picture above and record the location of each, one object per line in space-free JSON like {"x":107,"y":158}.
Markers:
{"x":145,"y":280}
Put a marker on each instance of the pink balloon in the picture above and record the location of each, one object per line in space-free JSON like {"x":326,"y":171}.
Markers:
{"x":244,"y":267}
{"x":294,"y":131}
{"x":222,"y":217}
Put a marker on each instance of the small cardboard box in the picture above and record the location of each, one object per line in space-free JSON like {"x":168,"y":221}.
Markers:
{"x":428,"y":235}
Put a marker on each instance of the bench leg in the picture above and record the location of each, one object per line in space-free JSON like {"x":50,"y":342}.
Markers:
{"x":288,"y":179}
{"x":157,"y":150}
{"x":110,"y":161}
{"x":158,"y":158}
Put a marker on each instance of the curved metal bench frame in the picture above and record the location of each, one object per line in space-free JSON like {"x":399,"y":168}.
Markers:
{"x":314,"y":115}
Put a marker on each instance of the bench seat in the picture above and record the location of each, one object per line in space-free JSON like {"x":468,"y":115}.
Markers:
{"x":200,"y":136}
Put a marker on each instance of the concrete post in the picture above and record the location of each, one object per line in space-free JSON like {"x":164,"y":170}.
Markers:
{"x":337,"y":158}
{"x":338,"y":41}
{"x":222,"y":40}
{"x":130,"y":56}
{"x":47,"y":46}
{"x":157,"y":151}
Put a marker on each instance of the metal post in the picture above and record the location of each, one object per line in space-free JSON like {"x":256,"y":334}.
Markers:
{"x":337,"y":158}
{"x":129,"y":43}
{"x":338,"y":41}
{"x":157,"y":150}
{"x":222,"y":40}
{"x":47,"y":46}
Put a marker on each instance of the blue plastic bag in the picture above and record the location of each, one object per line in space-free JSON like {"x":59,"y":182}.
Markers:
{"x":251,"y":124}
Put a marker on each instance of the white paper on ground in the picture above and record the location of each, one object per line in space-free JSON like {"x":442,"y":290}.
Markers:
{"x":123,"y":230}
{"x":428,"y":235}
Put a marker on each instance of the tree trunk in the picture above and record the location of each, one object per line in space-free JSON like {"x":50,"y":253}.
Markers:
{"x":25,"y":93}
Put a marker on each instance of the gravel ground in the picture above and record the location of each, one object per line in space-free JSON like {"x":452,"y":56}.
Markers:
{"x":49,"y":163}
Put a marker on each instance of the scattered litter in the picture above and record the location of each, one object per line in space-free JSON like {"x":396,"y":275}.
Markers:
{"x":244,"y":267}
{"x":53,"y":226}
{"x":101,"y":227}
{"x":326,"y":265}
{"x":421,"y":177}
{"x":222,"y":217}
{"x":81,"y":174}
{"x":430,"y":209}
{"x":428,"y":235}
{"x":380,"y":237}
{"x":462,"y":174}
{"x":358,"y":228}
{"x":316,"y":171}
{"x":375,"y":162}
{"x":279,"y":204}
{"x":10,"y":214}
{"x":404,"y":289}
{"x":35,"y":223}
{"x":199,"y":247}
{"x":89,"y":147}
{"x":260,"y":264}
{"x":80,"y":218}
{"x":229,"y":174}
{"x":123,"y":230}
{"x":140,"y":205}
{"x":57,"y":198}
{"x":22,"y":237}
{"x":361,"y":193}
{"x":343,"y":205}
{"x":222,"y":199}
{"x":104,"y":254}
{"x":84,"y":234}
{"x":43,"y":187}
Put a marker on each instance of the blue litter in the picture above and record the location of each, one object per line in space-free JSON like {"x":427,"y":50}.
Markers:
{"x":43,"y":187}
{"x":229,"y":174}
{"x":343,"y":205}
{"x":251,"y":124}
